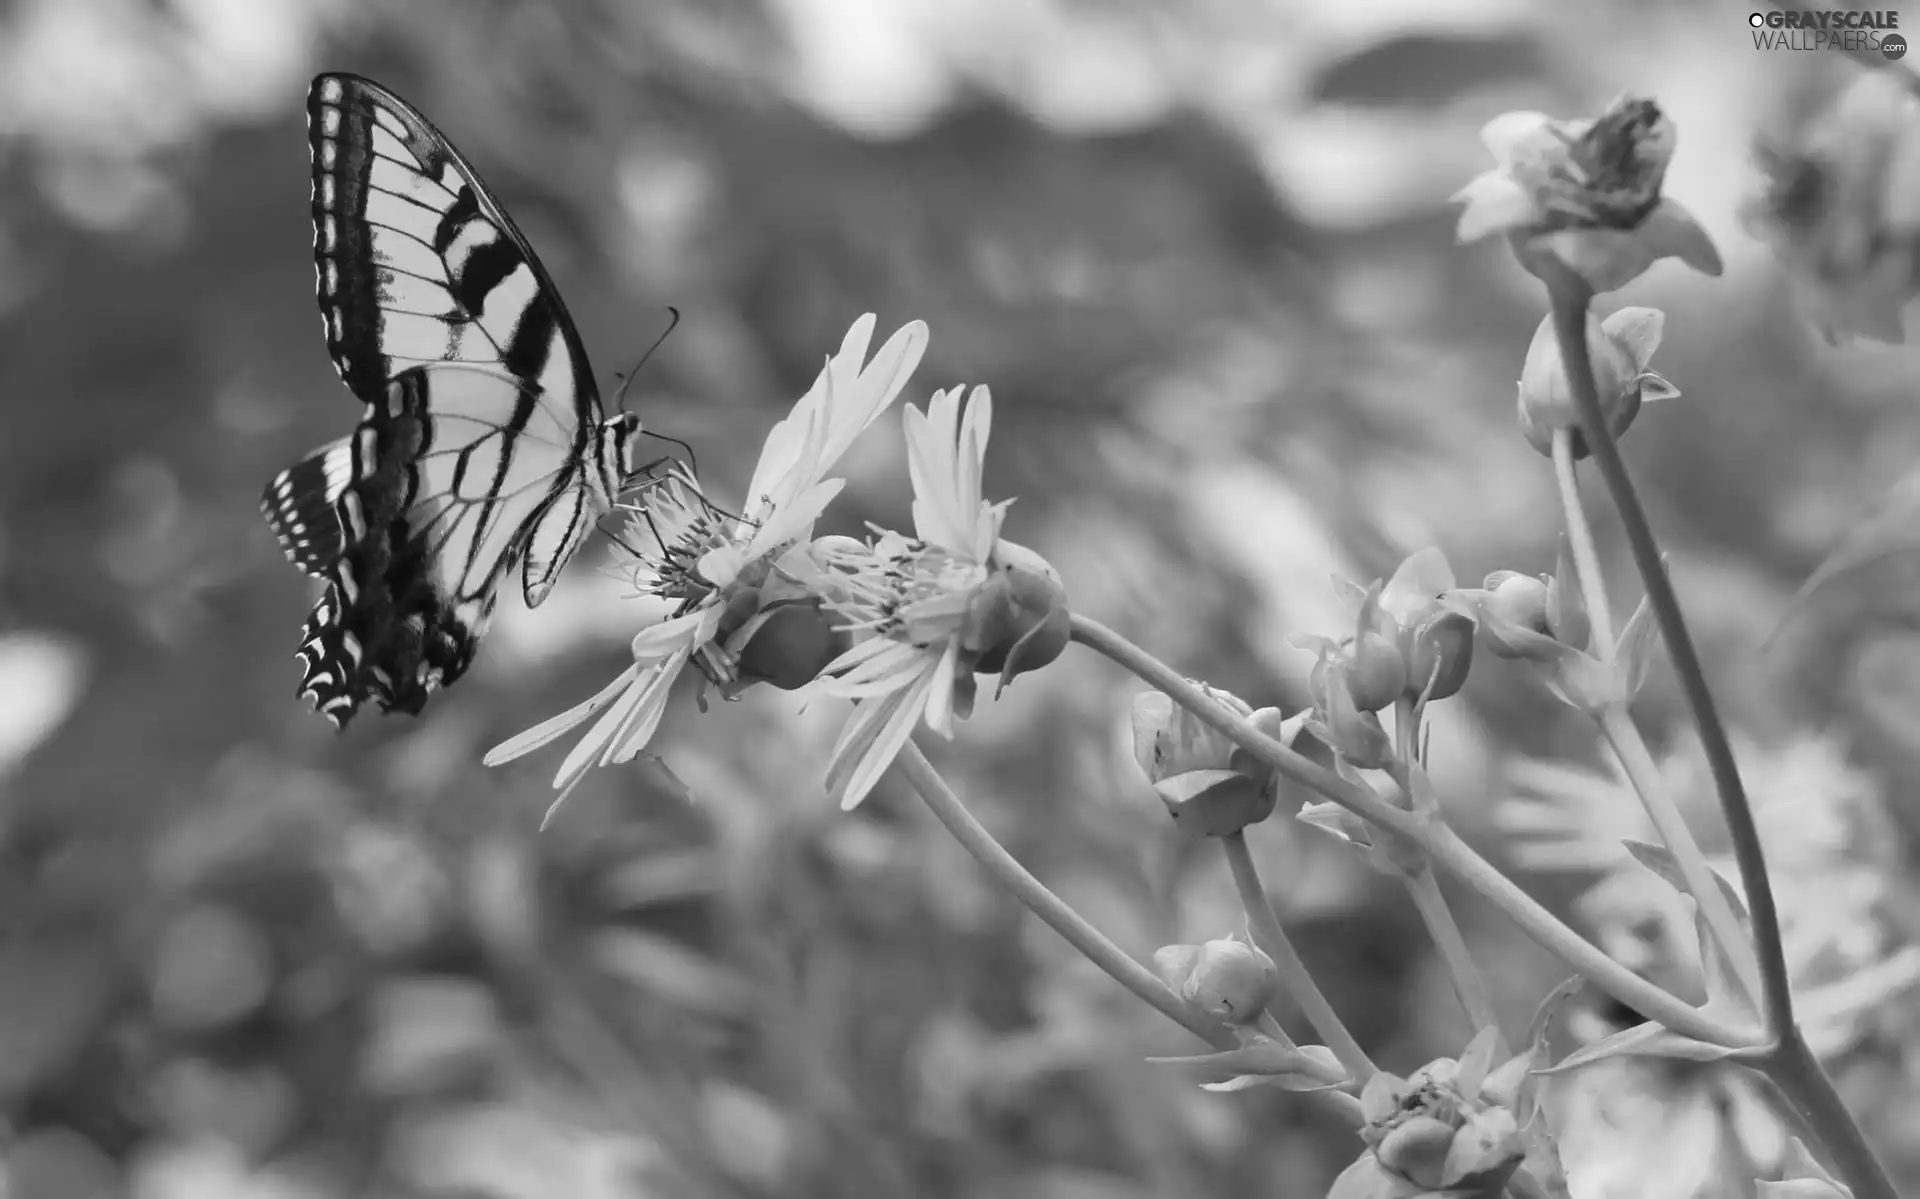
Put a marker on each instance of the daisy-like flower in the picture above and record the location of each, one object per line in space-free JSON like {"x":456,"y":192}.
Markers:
{"x":738,"y":608}
{"x":1586,"y":192}
{"x":937,"y":607}
{"x":1842,"y":207}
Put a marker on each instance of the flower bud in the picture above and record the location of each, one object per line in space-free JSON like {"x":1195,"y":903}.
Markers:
{"x":1518,"y":599}
{"x":1019,"y":619}
{"x":790,"y":646}
{"x":1620,"y":348}
{"x":1376,"y":673}
{"x":1353,"y":734}
{"x":1439,"y":655}
{"x":1211,"y":788}
{"x":1228,"y":979}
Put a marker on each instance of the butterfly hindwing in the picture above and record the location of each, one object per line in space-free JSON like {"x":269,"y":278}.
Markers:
{"x":448,"y":477}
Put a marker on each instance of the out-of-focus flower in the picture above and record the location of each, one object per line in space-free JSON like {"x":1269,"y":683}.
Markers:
{"x":1842,"y":207}
{"x":1228,"y":979}
{"x":1803,"y":1179}
{"x":1448,"y":1129}
{"x":1587,"y":193}
{"x":1621,"y":347}
{"x":935,"y":608}
{"x":740,"y":608}
{"x":1211,"y":786}
{"x":1827,"y":841}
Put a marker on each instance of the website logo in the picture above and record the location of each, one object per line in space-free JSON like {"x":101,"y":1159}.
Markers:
{"x":1853,"y":31}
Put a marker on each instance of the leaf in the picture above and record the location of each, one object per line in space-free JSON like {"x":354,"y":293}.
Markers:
{"x":1638,"y":329}
{"x":1651,"y":1040}
{"x":1634,"y":655}
{"x":1660,"y":860}
{"x":1266,"y":1062}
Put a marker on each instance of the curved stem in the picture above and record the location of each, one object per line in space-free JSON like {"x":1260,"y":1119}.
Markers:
{"x":1793,"y":1068}
{"x":1571,"y":296}
{"x":1586,"y":558}
{"x":1440,"y":841}
{"x":976,"y":840}
{"x":1294,"y":976}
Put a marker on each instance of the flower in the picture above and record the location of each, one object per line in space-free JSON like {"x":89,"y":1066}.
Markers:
{"x":933,"y":608}
{"x":1620,"y":347}
{"x":1842,"y":207}
{"x":1585,"y":193}
{"x":1410,"y":642}
{"x":740,"y":610}
{"x":1449,"y":1128}
{"x":1826,"y":834}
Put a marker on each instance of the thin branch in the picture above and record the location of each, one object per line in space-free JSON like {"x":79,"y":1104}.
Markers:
{"x":1441,"y":842}
{"x":1294,"y":976}
{"x":1571,"y":296}
{"x":976,"y":840}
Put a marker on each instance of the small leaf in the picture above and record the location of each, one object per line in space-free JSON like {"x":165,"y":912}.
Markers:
{"x":1266,"y":1062}
{"x":1660,"y":860}
{"x":1638,"y":640}
{"x":1639,"y":330}
{"x":1651,"y":1040}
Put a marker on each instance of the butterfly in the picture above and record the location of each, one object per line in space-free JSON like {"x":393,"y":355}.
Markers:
{"x":483,"y":443}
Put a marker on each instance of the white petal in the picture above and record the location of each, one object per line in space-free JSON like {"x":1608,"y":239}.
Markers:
{"x":1494,"y":204}
{"x":644,"y":721}
{"x":669,"y":636}
{"x":552,"y":728}
{"x":1507,"y":132}
{"x":940,"y":692}
{"x":880,"y":737}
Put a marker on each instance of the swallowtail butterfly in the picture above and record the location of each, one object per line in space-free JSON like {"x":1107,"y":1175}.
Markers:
{"x":483,"y":443}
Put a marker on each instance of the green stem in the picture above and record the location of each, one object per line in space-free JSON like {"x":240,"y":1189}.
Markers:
{"x":1294,"y":975}
{"x":1793,"y":1068}
{"x":1628,"y":746}
{"x":976,"y":840}
{"x":1571,"y":296}
{"x":1586,"y":558}
{"x":1441,"y":842}
{"x":1468,"y":983}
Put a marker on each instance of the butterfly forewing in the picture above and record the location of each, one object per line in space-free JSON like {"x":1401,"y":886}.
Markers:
{"x":482,"y":439}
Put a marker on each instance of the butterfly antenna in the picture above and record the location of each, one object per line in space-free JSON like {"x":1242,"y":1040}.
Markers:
{"x":673,"y":322}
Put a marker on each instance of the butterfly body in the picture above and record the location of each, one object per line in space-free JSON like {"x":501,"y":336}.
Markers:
{"x":482,"y":444}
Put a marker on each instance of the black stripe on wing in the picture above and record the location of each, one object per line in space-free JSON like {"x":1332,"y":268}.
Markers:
{"x":416,"y":261}
{"x":383,"y":631}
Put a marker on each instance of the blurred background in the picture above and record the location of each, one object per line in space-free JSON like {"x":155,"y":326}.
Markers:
{"x":1203,"y":253}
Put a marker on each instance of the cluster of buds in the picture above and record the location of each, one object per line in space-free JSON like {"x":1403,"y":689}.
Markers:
{"x":1449,"y":1129}
{"x":1411,"y":643}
